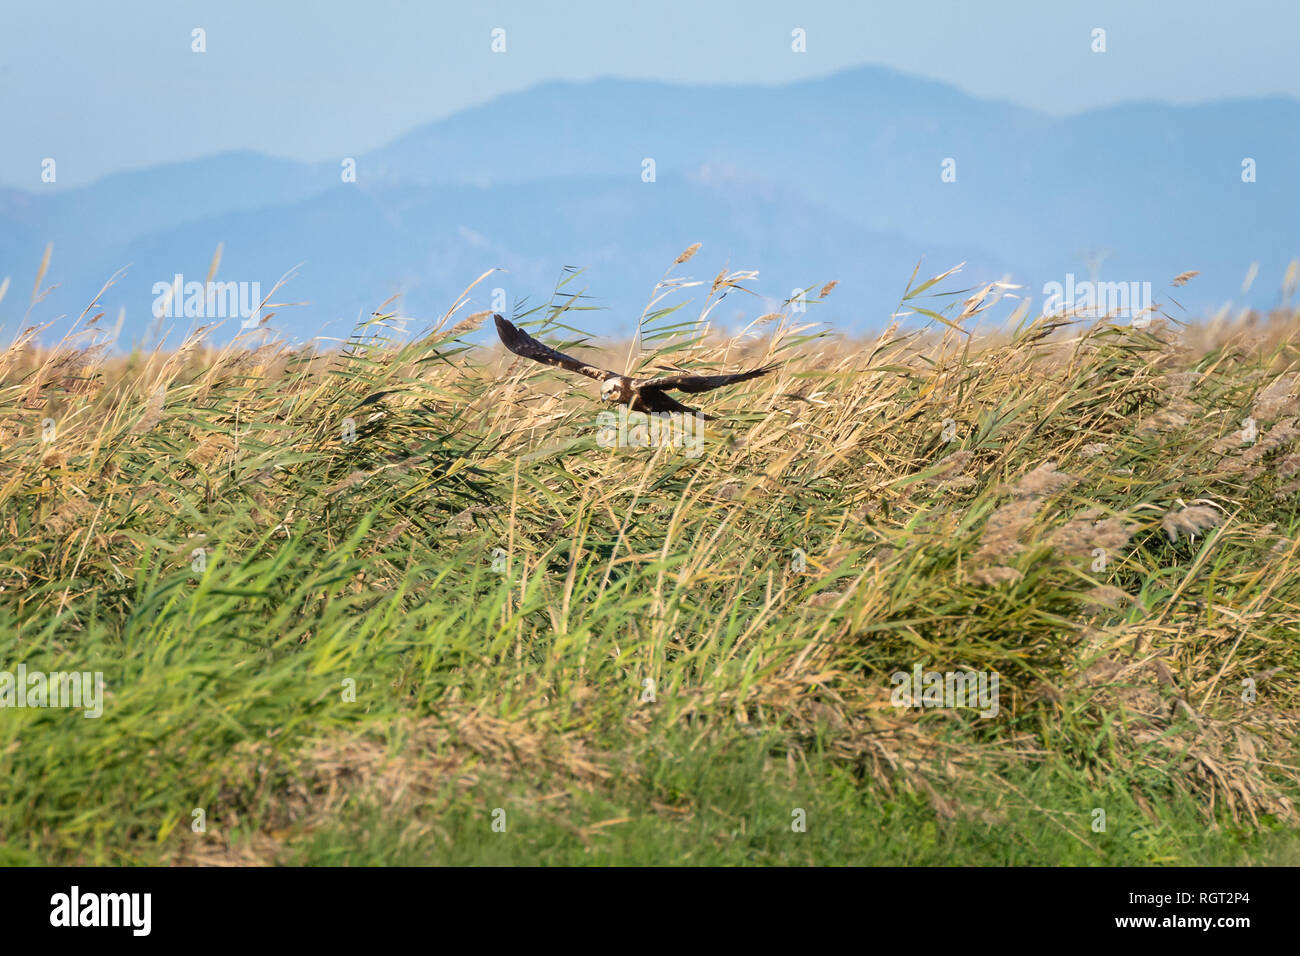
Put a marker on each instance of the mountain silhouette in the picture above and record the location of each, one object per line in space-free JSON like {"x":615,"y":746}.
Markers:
{"x":835,"y":178}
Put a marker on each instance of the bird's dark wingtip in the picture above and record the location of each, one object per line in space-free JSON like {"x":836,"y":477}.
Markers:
{"x":506,"y":331}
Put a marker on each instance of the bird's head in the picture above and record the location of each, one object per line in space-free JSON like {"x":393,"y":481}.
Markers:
{"x":612,"y":389}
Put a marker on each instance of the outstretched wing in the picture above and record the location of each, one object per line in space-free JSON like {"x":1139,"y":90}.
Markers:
{"x":701,"y":383}
{"x":521,"y":343}
{"x":657,"y":402}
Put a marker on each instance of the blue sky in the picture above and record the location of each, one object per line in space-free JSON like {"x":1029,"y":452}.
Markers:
{"x":105,"y":86}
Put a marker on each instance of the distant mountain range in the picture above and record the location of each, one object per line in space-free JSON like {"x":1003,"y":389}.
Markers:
{"x":837,"y":178}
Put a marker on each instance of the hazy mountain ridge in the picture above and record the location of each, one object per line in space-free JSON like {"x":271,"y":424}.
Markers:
{"x":829,"y":178}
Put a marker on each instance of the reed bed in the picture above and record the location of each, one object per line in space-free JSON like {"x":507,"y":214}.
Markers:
{"x":406,"y":574}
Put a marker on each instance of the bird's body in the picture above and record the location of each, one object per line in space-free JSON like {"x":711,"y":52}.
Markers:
{"x":638,"y":394}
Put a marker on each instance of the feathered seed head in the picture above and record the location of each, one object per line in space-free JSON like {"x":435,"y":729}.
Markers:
{"x":1190,"y":521}
{"x":1043,"y":480}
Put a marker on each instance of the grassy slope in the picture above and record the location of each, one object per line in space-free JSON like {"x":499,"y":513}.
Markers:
{"x":949,"y":494}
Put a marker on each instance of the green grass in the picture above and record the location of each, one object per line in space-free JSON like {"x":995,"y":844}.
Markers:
{"x":743,"y":813}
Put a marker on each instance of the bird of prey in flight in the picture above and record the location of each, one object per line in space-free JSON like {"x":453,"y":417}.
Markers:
{"x":638,"y":394}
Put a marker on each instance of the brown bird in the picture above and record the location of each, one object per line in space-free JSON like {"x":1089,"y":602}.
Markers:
{"x":638,"y":394}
